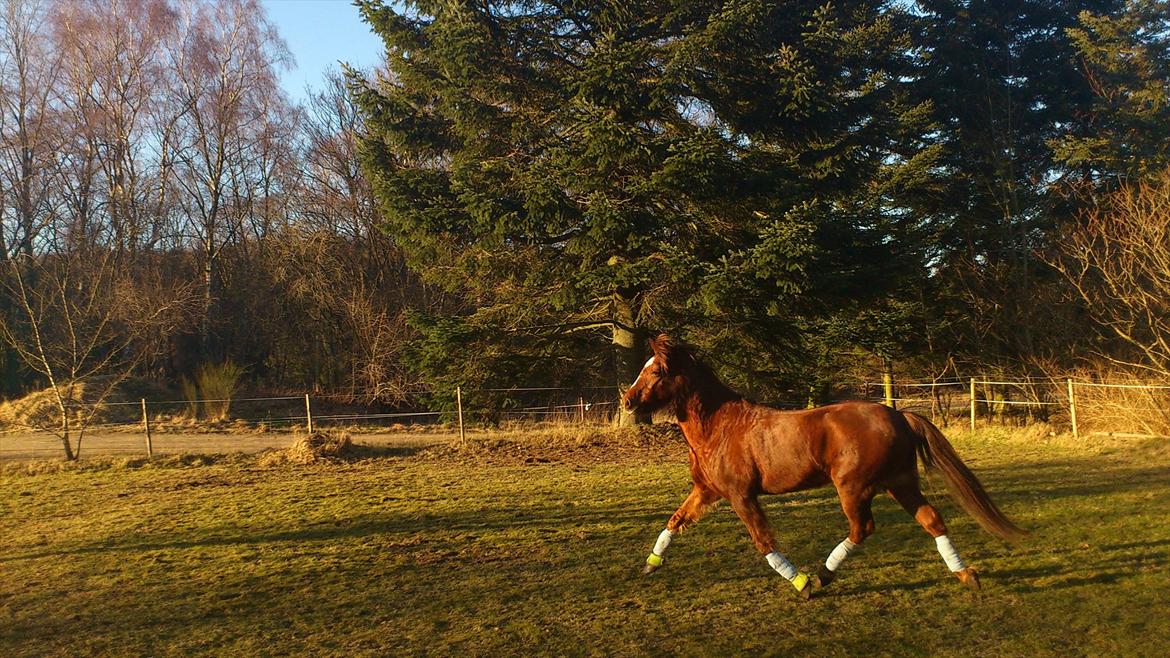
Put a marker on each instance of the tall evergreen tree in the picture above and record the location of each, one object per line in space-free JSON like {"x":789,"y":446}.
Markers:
{"x":1005,"y":83}
{"x":1125,"y":58}
{"x":723,"y":169}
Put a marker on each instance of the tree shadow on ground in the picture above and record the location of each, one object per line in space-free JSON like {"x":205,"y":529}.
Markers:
{"x":1018,"y":485}
{"x":374,"y":451}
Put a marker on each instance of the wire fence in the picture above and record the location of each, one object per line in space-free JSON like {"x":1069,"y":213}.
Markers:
{"x":1084,"y":407}
{"x":130,"y":426}
{"x":429,"y":416}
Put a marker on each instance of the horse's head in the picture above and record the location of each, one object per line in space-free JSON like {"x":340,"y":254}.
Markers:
{"x":663,"y":379}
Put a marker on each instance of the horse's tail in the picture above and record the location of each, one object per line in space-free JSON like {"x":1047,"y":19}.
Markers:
{"x":937,"y":454}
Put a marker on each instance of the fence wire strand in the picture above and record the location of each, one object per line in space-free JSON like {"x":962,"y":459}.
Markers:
{"x":949,"y":395}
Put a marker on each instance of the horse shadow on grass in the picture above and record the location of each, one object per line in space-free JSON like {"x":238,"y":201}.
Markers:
{"x":1065,"y":478}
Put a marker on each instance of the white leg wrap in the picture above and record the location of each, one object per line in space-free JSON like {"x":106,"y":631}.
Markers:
{"x":843,"y":550}
{"x":781,"y":565}
{"x":664,"y":538}
{"x":949,"y":554}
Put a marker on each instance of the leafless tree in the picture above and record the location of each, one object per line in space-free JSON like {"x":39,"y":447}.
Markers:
{"x":147,"y":151}
{"x":83,"y":325}
{"x":224,"y":67}
{"x":352,"y":268}
{"x":1118,"y":262}
{"x":29,"y":67}
{"x":113,"y":78}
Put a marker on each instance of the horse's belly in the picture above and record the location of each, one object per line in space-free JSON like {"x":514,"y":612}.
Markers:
{"x":783,"y":457}
{"x":784,"y":481}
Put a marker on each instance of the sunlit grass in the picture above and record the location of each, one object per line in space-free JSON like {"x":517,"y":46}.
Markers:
{"x":409,"y":555}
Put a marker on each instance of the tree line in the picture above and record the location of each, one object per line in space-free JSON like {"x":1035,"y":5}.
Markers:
{"x":809,"y":192}
{"x":164,"y":205}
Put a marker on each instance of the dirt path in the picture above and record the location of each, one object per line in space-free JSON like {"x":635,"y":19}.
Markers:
{"x":104,"y":443}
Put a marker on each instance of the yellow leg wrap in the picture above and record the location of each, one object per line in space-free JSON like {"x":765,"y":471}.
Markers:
{"x":654,"y":560}
{"x":800,"y":581}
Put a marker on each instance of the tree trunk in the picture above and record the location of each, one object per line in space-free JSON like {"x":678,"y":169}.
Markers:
{"x":9,"y":366}
{"x":208,"y":304}
{"x":997,"y":405}
{"x":65,"y":434}
{"x":629,"y":348}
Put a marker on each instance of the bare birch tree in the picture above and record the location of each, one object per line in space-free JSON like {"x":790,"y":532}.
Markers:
{"x":29,"y":67}
{"x":114,"y":78}
{"x":83,"y":322}
{"x":225,"y":70}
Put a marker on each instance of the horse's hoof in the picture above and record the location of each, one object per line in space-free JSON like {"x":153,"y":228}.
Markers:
{"x":652,"y":564}
{"x":824,"y":577}
{"x":806,"y":591}
{"x":969,"y":578}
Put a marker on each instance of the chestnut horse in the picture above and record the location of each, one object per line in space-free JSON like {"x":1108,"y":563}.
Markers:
{"x":740,"y":450}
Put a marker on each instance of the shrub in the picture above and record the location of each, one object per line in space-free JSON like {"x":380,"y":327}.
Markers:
{"x":191,"y":395}
{"x":217,"y":384}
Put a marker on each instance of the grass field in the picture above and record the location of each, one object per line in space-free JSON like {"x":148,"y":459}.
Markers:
{"x":521,"y":550}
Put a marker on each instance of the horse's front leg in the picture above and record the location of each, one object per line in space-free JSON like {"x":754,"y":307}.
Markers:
{"x":698,"y":503}
{"x":749,"y":511}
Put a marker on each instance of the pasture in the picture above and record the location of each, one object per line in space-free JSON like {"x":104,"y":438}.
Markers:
{"x":523,"y":547}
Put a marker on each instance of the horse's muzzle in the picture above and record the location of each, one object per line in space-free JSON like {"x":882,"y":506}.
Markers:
{"x":628,"y":402}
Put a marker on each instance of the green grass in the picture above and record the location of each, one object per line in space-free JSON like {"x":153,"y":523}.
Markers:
{"x":408,"y":556}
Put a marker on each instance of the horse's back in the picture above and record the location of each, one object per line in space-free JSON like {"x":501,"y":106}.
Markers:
{"x":868,"y":444}
{"x":848,"y":443}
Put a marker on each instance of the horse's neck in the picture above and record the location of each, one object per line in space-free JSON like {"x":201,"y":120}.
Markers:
{"x":699,"y":418}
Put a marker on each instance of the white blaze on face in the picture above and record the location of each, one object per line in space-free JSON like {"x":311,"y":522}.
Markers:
{"x":649,"y":362}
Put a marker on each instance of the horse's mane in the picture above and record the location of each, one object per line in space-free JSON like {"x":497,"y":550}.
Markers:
{"x":708,"y":390}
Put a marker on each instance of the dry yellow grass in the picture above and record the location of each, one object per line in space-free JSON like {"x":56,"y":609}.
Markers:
{"x":39,"y":409}
{"x":328,"y":447}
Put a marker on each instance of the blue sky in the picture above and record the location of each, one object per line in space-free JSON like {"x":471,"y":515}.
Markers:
{"x":319,"y":33}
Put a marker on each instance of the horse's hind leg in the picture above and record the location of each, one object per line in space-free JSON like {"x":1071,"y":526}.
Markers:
{"x":698,"y":503}
{"x":749,"y":511}
{"x":857,"y":508}
{"x":915,"y":504}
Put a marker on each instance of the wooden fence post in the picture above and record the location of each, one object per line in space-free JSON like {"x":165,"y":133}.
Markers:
{"x":888,"y":382}
{"x":146,"y":426}
{"x":308,"y":414}
{"x":1072,"y":410}
{"x":972,"y":404}
{"x":581,"y":408}
{"x":459,"y":406}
